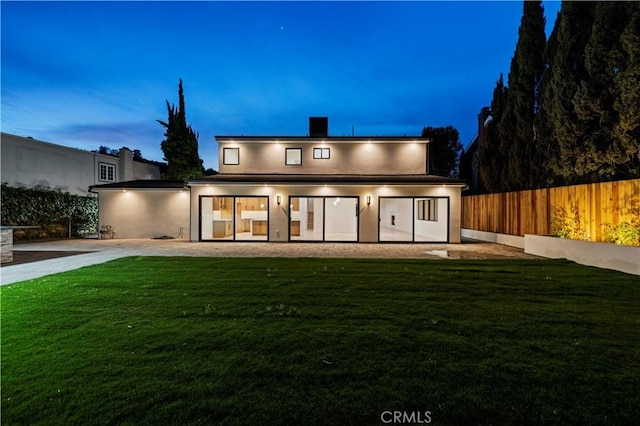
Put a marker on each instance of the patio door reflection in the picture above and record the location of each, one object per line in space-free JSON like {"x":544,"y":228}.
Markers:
{"x":306,"y":218}
{"x":323,"y":218}
{"x":234,"y":218}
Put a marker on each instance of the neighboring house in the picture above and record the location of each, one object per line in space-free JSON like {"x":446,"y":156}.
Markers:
{"x":470,"y":157}
{"x":316,"y":188}
{"x":30,"y":163}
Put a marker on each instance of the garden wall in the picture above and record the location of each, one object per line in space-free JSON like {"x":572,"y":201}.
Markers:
{"x":590,"y":208}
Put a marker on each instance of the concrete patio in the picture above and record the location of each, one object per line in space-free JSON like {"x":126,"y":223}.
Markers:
{"x":100,"y":251}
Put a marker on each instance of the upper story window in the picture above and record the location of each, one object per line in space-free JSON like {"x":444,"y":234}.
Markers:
{"x":107,"y":172}
{"x":231,"y":156}
{"x":321,"y":153}
{"x":293,"y":156}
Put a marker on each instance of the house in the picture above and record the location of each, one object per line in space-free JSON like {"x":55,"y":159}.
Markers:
{"x":470,"y":157}
{"x":291,"y":188}
{"x":29,"y":163}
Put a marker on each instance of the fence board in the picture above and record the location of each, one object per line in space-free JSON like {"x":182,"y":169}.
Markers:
{"x":534,"y":211}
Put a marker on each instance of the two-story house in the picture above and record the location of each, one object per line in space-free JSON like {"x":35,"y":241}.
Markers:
{"x":313,"y":188}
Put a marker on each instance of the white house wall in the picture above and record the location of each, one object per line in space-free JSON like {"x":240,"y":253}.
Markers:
{"x":368,"y":226}
{"x":145,"y":213}
{"x":32,"y":163}
{"x":345,"y":158}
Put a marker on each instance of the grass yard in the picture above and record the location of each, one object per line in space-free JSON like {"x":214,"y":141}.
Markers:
{"x":156,"y":340}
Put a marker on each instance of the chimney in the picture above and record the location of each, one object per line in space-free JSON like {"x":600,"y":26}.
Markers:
{"x":483,"y":119}
{"x":318,"y":127}
{"x":126,"y":164}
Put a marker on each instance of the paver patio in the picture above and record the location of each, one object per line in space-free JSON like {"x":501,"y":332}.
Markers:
{"x":104,"y":250}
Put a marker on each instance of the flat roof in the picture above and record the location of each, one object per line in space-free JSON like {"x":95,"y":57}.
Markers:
{"x":326,"y":139}
{"x":142,"y":184}
{"x":326,"y":178}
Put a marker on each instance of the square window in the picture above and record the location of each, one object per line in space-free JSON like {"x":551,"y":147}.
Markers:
{"x":231,"y":156}
{"x":293,"y":156}
{"x":321,"y":153}
{"x":107,"y":172}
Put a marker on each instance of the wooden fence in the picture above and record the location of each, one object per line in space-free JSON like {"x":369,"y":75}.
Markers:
{"x":592,"y":206}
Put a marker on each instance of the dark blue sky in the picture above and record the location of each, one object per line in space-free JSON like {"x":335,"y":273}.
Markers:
{"x":86,"y":74}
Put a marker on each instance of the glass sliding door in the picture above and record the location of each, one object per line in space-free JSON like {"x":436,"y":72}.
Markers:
{"x":234,"y":218}
{"x":251,"y":218}
{"x":323,"y":218}
{"x":413,"y":219}
{"x":396,"y":219}
{"x":222,"y":219}
{"x":341,"y":218}
{"x":306,"y":218}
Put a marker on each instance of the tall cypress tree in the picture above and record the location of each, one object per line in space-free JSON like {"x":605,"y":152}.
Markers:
{"x":627,"y":101}
{"x":491,"y":160}
{"x":545,"y":150}
{"x":604,"y":59}
{"x":180,"y":145}
{"x":567,"y":71}
{"x":525,"y":76}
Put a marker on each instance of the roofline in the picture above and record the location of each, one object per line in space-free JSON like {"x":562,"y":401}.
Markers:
{"x":320,"y":179}
{"x":327,"y":139}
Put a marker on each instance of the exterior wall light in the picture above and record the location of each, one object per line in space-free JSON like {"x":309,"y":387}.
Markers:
{"x":278,"y":199}
{"x":368,"y":200}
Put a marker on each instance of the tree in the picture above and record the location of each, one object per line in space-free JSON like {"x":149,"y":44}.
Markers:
{"x":444,"y":148}
{"x":525,"y":76}
{"x":627,"y":102}
{"x":568,"y":70}
{"x":180,"y":145}
{"x":546,"y":149}
{"x":604,"y":59}
{"x":491,"y":160}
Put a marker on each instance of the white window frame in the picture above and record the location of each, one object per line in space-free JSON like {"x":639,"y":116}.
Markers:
{"x":231,"y":156}
{"x":321,"y":153}
{"x":290,"y":159}
{"x":107,"y":172}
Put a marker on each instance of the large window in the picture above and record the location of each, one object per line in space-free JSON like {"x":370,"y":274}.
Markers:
{"x":234,"y":218}
{"x":107,"y":172}
{"x":293,"y":156}
{"x":323,"y":218}
{"x":231,"y":156}
{"x":428,"y":209}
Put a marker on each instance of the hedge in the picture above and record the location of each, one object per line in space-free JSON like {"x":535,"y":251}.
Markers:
{"x":58,"y":214}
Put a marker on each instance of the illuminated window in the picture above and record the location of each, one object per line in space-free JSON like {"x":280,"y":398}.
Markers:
{"x":428,"y":209}
{"x":321,"y":153}
{"x":293,"y":156}
{"x":107,"y":172}
{"x":231,"y":156}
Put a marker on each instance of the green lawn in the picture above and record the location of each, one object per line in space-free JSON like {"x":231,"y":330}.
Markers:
{"x":156,"y":340}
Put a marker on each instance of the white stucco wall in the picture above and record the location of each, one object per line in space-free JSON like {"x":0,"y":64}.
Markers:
{"x":145,"y":213}
{"x":345,"y":158}
{"x":30,"y":163}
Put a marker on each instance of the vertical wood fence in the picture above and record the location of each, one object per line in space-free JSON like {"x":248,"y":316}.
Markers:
{"x":593,"y":206}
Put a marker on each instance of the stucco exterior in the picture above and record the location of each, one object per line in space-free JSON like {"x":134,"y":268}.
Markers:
{"x":321,"y":188}
{"x":369,"y":156}
{"x":145,"y":213}
{"x":368,"y":214}
{"x":31,"y":163}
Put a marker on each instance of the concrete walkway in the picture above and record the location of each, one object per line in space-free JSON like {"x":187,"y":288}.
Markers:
{"x":106,"y":250}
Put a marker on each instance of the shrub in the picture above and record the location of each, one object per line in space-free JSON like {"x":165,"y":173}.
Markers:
{"x":58,"y":214}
